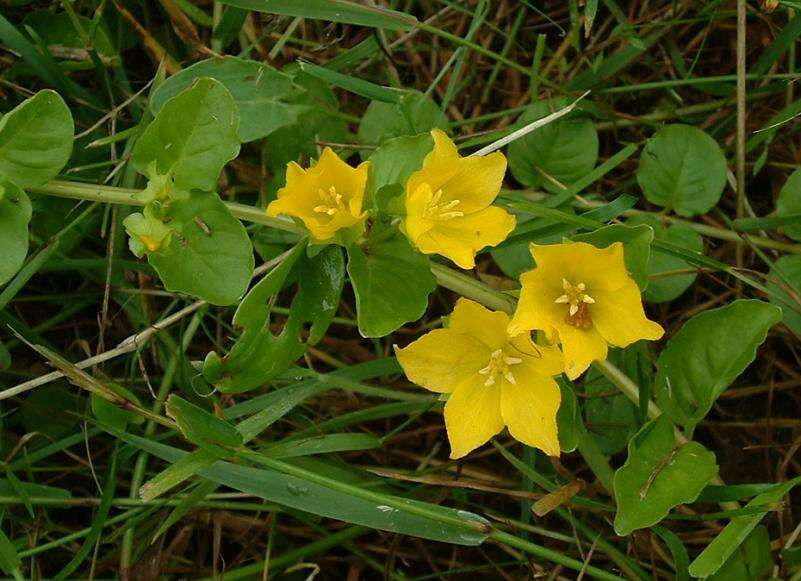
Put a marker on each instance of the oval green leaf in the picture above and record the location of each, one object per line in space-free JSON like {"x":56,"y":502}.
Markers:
{"x":682,"y":169}
{"x":15,"y":215}
{"x":659,"y":473}
{"x":703,"y":358}
{"x":789,"y":203}
{"x":35,"y":139}
{"x":566,"y":150}
{"x":193,"y":137}
{"x":262,"y":93}
{"x":786,"y":272}
{"x":211,"y":256}
{"x":391,"y":282}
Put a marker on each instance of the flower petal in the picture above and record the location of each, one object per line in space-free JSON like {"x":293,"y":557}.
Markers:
{"x":472,"y":415}
{"x":581,"y":347}
{"x":536,"y":308}
{"x":441,"y":359}
{"x":460,"y":238}
{"x":416,"y":223}
{"x":620,"y":318}
{"x":529,"y":407}
{"x":489,"y":327}
{"x":475,"y":181}
{"x":546,"y":360}
{"x":598,"y":268}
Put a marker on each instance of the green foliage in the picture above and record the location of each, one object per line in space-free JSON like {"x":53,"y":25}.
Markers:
{"x":751,"y":561}
{"x":660,"y":473}
{"x":568,"y":419}
{"x":718,"y":552}
{"x":789,"y":203}
{"x":193,"y":136}
{"x":391,"y":282}
{"x":565,"y":150}
{"x":394,"y":161}
{"x":663,"y":285}
{"x":784,"y":281}
{"x":682,"y":169}
{"x":262,"y":94}
{"x":259,"y":355}
{"x":58,"y":29}
{"x":201,"y":427}
{"x":35,"y":140}
{"x":707,"y":354}
{"x":413,"y":113}
{"x":209,"y":255}
{"x":15,"y":214}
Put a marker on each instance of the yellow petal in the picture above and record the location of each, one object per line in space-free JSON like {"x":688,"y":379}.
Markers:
{"x":441,"y":359}
{"x":489,"y":327}
{"x":546,"y":360}
{"x":536,"y":308}
{"x":460,"y":238}
{"x":620,"y":319}
{"x":472,"y":415}
{"x":301,"y":195}
{"x":417,"y":223}
{"x":475,"y":181}
{"x":529,"y":407}
{"x":598,"y":268}
{"x":581,"y":347}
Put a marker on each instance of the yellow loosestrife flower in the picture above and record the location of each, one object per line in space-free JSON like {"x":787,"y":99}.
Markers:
{"x":448,"y":203}
{"x":327,"y":197}
{"x":494,"y":379}
{"x":583,"y":296}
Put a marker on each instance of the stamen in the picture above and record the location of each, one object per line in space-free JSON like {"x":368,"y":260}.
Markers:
{"x":562,"y":299}
{"x":573,"y":310}
{"x":499,"y":367}
{"x":578,"y":299}
{"x":588,"y":299}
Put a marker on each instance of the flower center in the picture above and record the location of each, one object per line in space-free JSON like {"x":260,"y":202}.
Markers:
{"x":436,"y":209}
{"x":331,"y":201}
{"x":576,"y":296}
{"x":499,"y":366}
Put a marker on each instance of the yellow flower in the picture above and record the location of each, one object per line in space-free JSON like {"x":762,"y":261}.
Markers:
{"x":147,"y":231}
{"x":494,"y":379}
{"x":327,"y":197}
{"x":448,"y":203}
{"x":584,"y":296}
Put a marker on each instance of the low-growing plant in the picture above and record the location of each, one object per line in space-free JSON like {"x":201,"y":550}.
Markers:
{"x":552,"y":319}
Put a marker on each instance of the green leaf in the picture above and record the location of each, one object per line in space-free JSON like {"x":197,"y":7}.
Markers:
{"x":566,"y":149}
{"x":659,"y":473}
{"x":611,"y":416}
{"x":739,"y":528}
{"x":333,"y":10}
{"x":116,"y":416}
{"x":325,"y":444}
{"x":750,"y":562}
{"x":568,"y":419}
{"x":35,"y":140}
{"x":9,"y":558}
{"x":193,"y":136}
{"x":666,"y":288}
{"x":201,"y":427}
{"x":315,"y":493}
{"x":681,"y":559}
{"x":789,"y":203}
{"x":260,"y":92}
{"x":259,"y":355}
{"x":391,"y":282}
{"x":58,"y":29}
{"x":786,"y":270}
{"x":394,"y":161}
{"x":321,"y":279}
{"x":682,"y":169}
{"x":636,"y":246}
{"x":703,"y":358}
{"x":210,"y":255}
{"x":15,"y":215}
{"x":413,"y":113}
